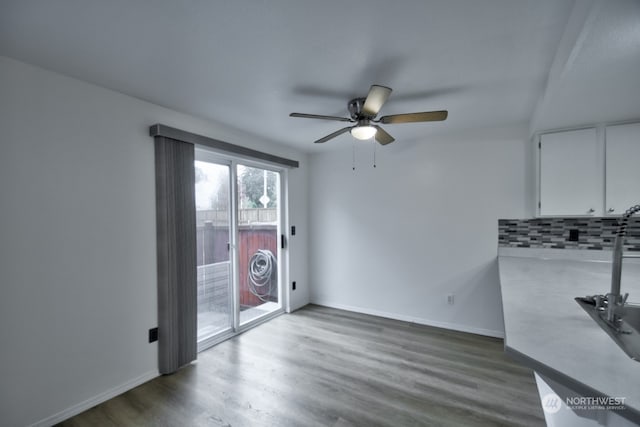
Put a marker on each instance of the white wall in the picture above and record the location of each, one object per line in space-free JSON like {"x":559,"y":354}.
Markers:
{"x":77,"y":240}
{"x":298,"y":245}
{"x":395,"y":240}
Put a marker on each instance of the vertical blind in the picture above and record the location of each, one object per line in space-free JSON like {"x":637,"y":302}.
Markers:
{"x":176,"y":253}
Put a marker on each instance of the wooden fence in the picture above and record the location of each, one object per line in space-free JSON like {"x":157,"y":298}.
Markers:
{"x":253,"y":239}
{"x":213,"y":287}
{"x":212,"y":249}
{"x":245,"y":216}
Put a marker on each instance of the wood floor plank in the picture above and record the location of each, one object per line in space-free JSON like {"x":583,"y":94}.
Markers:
{"x":328,"y":367}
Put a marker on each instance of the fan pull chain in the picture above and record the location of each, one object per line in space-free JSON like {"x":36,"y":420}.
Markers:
{"x":353,"y":158}
{"x":375,"y":147}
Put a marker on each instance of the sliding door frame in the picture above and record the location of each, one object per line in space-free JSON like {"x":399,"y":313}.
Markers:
{"x":207,"y":154}
{"x":210,"y":157}
{"x":282,"y":270}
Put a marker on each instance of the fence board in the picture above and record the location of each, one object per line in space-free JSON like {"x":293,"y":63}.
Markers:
{"x":212,"y":250}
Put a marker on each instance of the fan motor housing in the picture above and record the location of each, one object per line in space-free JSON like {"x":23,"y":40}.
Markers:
{"x":355,"y":108}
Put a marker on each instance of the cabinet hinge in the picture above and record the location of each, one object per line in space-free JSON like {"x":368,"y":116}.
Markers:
{"x":539,"y":145}
{"x":539,"y":205}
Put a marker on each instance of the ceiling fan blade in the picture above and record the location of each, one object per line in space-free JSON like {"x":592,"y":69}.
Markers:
{"x":376,"y":98}
{"x":382,"y":136}
{"x":317,"y":116}
{"x":333,"y":135}
{"x":428,"y":116}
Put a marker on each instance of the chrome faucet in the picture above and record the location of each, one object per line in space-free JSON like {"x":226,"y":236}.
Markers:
{"x":615,"y":300}
{"x":619,"y":319}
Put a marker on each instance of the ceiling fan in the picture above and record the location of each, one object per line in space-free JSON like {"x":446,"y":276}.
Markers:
{"x":363,"y":112}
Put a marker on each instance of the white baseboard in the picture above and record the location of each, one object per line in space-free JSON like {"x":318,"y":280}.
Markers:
{"x":91,"y":402}
{"x":412,"y":319}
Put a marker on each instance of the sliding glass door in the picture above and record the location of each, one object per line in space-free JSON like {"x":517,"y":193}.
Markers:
{"x":213,"y":228}
{"x":238,"y":242}
{"x":258,"y":249}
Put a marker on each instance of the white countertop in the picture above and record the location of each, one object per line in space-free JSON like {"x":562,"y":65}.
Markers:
{"x":545,"y":324}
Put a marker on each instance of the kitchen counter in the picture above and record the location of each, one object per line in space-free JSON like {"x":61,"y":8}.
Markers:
{"x":548,"y":331}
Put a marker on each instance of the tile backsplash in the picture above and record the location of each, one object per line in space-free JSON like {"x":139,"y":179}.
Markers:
{"x":591,"y":233}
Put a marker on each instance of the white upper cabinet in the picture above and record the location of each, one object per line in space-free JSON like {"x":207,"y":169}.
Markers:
{"x":622,"y":167}
{"x":570,"y":173}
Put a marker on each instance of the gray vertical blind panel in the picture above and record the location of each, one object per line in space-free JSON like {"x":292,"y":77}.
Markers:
{"x":181,"y":135}
{"x":176,"y":247}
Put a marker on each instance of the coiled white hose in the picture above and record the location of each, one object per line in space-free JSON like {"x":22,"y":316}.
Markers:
{"x":262,"y":273}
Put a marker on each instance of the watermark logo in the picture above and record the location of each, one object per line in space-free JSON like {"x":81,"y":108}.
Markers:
{"x":551,"y":403}
{"x":604,"y":403}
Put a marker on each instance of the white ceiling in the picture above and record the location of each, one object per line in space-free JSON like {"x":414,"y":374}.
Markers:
{"x":595,"y":77}
{"x":248,"y":64}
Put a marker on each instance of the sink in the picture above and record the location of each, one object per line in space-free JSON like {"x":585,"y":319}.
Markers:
{"x":621,"y":321}
{"x":625,"y":332}
{"x":631,"y":315}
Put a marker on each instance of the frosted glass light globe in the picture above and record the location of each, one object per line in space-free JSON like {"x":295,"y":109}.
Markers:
{"x":363,"y":132}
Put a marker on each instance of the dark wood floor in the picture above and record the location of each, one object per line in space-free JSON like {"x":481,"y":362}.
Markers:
{"x":326,"y":367}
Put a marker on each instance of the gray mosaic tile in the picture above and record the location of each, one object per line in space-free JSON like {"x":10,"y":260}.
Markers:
{"x":593,"y":233}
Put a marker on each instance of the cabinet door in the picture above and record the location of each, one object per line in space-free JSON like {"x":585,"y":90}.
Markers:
{"x":570,"y":173}
{"x":622,"y":168}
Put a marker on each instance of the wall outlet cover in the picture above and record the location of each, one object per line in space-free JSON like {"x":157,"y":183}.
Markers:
{"x":153,"y":335}
{"x":574,"y":234}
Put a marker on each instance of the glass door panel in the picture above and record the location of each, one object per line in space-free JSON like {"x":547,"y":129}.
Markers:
{"x":258,"y":248}
{"x":213,"y":227}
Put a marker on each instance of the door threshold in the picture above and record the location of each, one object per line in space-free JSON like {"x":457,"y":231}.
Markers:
{"x":230,"y":333}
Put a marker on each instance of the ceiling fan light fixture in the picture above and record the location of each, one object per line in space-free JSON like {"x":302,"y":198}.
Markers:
{"x":364,"y":111}
{"x":363,"y":132}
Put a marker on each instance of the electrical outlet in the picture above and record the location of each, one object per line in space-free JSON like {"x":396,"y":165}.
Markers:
{"x":153,"y":335}
{"x":293,"y":286}
{"x":450,"y":299}
{"x":574,"y":235}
